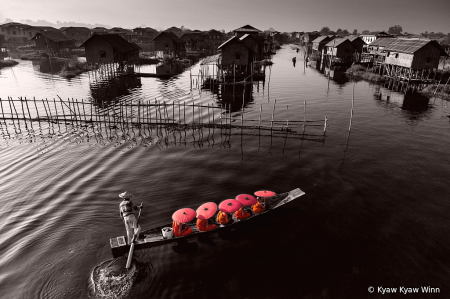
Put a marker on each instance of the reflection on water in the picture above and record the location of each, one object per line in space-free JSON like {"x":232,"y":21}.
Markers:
{"x":170,"y":69}
{"x":53,"y":66}
{"x":64,"y":180}
{"x":111,"y":89}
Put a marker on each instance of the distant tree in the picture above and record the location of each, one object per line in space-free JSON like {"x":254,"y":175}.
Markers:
{"x":331,"y":32}
{"x":345,"y":32}
{"x":324,"y":30}
{"x":365,"y":32}
{"x":182,"y":28}
{"x":424,"y":34}
{"x":397,"y":29}
{"x":355,"y":32}
{"x":339,"y":31}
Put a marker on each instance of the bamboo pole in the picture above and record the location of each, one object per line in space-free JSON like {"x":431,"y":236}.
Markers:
{"x":1,"y":105}
{"x":35,"y":105}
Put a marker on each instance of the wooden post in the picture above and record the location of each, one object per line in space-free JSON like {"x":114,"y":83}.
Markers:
{"x":35,"y":105}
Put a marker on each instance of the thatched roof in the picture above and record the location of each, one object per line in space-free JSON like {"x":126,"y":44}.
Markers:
{"x":115,"y":40}
{"x":248,"y":28}
{"x":170,"y":35}
{"x":55,"y":36}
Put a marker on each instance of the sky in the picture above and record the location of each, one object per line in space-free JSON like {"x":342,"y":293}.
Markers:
{"x":415,"y":16}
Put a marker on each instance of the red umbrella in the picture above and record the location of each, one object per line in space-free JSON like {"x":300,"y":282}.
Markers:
{"x":206,"y":210}
{"x":246,"y":199}
{"x":264,"y":193}
{"x":229,"y":205}
{"x":183,"y":215}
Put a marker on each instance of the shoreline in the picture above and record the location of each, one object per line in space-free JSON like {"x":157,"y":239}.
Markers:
{"x":440,"y":91}
{"x":8,"y":63}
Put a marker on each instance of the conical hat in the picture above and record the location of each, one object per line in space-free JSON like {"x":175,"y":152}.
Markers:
{"x":126,"y":195}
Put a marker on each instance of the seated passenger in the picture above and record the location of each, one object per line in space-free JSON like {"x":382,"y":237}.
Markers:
{"x":181,"y":229}
{"x":240,"y":214}
{"x":203,"y":225}
{"x":259,"y":206}
{"x":223,"y":218}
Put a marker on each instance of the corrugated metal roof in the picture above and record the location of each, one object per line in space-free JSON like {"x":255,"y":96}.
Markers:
{"x":382,"y":42}
{"x":320,"y":38}
{"x":210,"y":59}
{"x":353,"y":37}
{"x":115,"y":40}
{"x":227,"y":41}
{"x":336,"y":42}
{"x":55,"y":36}
{"x":250,"y":36}
{"x":406,"y":46}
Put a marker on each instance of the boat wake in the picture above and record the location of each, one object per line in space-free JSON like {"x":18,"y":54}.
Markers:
{"x":111,"y":279}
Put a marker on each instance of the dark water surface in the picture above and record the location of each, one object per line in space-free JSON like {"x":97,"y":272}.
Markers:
{"x":376,"y":209}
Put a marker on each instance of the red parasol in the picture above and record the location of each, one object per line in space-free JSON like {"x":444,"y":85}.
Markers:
{"x":206,"y":210}
{"x":264,"y":193}
{"x":229,"y":205}
{"x":246,"y":199}
{"x":183,"y":215}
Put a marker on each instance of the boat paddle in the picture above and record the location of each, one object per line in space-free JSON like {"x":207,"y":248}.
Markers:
{"x":135,"y":236}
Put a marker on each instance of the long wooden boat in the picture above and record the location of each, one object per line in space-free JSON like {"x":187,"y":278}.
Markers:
{"x":154,"y":237}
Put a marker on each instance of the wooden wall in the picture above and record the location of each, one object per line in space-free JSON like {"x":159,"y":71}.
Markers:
{"x":403,"y":59}
{"x":95,"y":47}
{"x":420,"y":57}
{"x":165,"y":44}
{"x":254,"y":45}
{"x":230,"y":50}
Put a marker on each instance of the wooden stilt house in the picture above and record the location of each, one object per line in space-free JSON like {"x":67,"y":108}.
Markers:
{"x":340,"y":49}
{"x":53,"y":42}
{"x":109,"y":48}
{"x":236,"y":59}
{"x":167,"y":43}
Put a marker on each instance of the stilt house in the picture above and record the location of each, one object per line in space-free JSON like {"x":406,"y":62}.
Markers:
{"x":414,"y":54}
{"x":319,"y":43}
{"x":236,"y":57}
{"x":109,"y":48}
{"x":169,"y":44}
{"x":53,"y":42}
{"x":255,"y":44}
{"x":340,"y":48}
{"x":357,"y":42}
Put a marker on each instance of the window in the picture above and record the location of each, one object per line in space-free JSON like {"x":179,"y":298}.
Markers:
{"x":428,"y":59}
{"x":238,"y":56}
{"x":14,"y":32}
{"x":102,"y":54}
{"x":29,"y":33}
{"x":396,"y":55}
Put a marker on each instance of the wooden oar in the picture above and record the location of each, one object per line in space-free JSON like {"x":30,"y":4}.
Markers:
{"x":135,"y":236}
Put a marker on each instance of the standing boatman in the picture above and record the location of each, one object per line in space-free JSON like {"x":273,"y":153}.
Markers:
{"x":126,"y":212}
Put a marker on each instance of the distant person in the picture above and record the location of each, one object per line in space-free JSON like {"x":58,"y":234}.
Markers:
{"x":223,"y":218}
{"x":241,"y":214}
{"x":126,"y":212}
{"x":259,"y":206}
{"x":204,"y":226}
{"x":297,"y":50}
{"x":181,"y":229}
{"x":294,"y":60}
